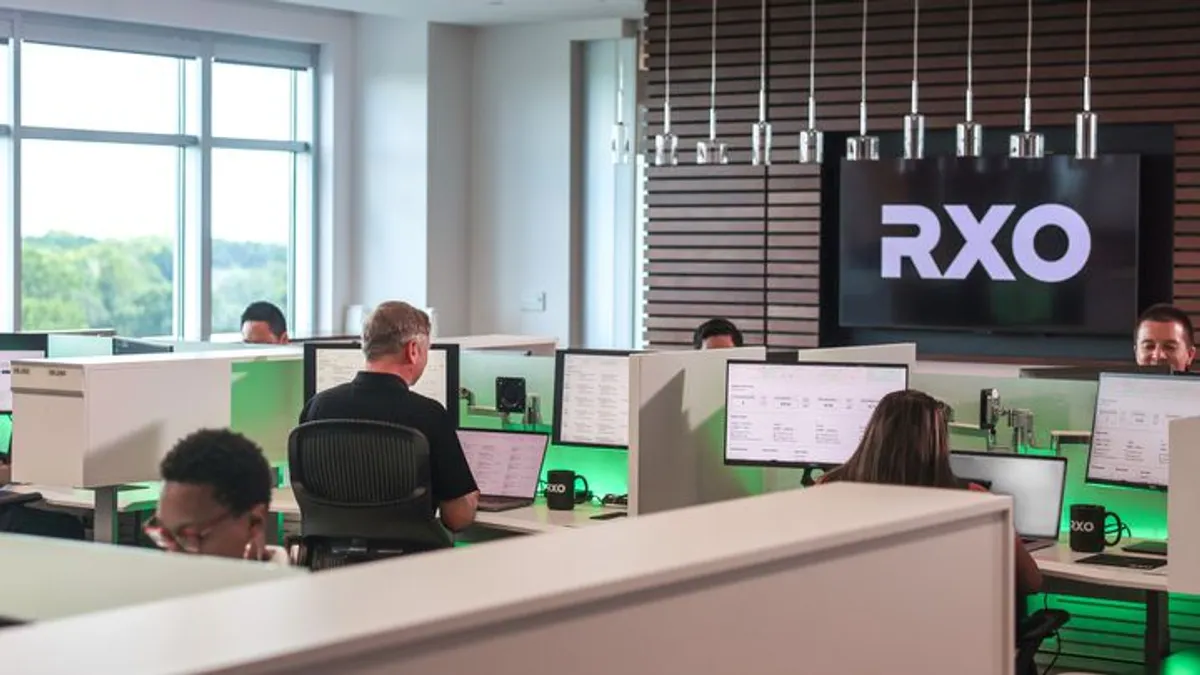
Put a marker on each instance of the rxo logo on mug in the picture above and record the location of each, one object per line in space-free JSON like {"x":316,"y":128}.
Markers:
{"x":1077,"y":526}
{"x":557,"y":488}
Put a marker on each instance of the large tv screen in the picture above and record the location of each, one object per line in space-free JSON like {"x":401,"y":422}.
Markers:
{"x":990,"y":244}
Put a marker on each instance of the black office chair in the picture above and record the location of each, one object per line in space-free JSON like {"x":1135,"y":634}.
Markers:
{"x":1031,"y":632}
{"x":364,"y":493}
{"x":16,"y":517}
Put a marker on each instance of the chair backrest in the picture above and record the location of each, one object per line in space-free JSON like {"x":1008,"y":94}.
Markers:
{"x":363,"y":480}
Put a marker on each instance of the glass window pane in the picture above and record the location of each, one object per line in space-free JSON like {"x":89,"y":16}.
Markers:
{"x":251,"y":231}
{"x":252,"y":102}
{"x":98,"y":90}
{"x":98,"y":236}
{"x":5,"y":81}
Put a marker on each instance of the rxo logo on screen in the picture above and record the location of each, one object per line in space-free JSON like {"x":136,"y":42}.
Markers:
{"x":979,"y":248}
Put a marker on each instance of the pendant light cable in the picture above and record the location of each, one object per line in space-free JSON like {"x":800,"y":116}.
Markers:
{"x":916,"y":50}
{"x":712,"y":88}
{"x":812,"y":64}
{"x":862,"y":101}
{"x":1028,"y":65}
{"x":762,"y":70}
{"x":667,"y":95}
{"x":970,"y":59}
{"x":1087,"y":61}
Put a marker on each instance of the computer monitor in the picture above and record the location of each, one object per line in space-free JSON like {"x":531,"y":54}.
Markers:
{"x":802,"y":415}
{"x":1035,"y":483}
{"x":17,"y":347}
{"x":591,"y":391}
{"x":125,"y":346}
{"x":328,"y":364}
{"x":504,"y":463}
{"x":1129,"y":429}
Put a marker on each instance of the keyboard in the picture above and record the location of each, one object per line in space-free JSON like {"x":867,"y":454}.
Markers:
{"x":495,"y":504}
{"x":1036,"y":543}
{"x":1126,"y":561}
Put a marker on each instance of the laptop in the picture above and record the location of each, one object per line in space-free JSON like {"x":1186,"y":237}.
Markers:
{"x":1034,"y":482}
{"x":506,"y":464}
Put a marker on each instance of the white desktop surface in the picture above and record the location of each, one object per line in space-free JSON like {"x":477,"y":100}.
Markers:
{"x":295,"y":623}
{"x":137,"y":498}
{"x":1060,"y":561}
{"x":536,"y":519}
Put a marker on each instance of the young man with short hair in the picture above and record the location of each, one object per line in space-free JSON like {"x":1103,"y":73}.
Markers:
{"x":264,"y":324}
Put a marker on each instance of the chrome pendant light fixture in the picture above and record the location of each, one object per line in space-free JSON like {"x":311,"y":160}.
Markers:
{"x":1028,"y":144}
{"x":969,"y":132}
{"x":914,"y":121}
{"x":862,"y":146}
{"x":713,"y":150}
{"x":812,"y":140}
{"x":760,"y":134}
{"x":1086,"y":121}
{"x":666,"y":144}
{"x":622,"y":140}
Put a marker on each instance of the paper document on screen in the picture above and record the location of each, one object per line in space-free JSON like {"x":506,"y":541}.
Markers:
{"x":595,"y":405}
{"x":504,"y":464}
{"x":433,"y":381}
{"x":337,"y":366}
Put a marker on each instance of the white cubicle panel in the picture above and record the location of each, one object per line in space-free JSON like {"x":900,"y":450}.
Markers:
{"x":47,"y":579}
{"x":534,"y":345}
{"x":105,"y":421}
{"x":905,"y":353}
{"x":1183,"y":506}
{"x":822,"y":581}
{"x":677,"y":430}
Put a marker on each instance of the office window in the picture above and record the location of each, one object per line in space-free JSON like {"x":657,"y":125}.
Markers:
{"x":98,"y":236}
{"x":253,"y":102}
{"x":251,"y":228}
{"x":99,"y":90}
{"x":151,"y":161}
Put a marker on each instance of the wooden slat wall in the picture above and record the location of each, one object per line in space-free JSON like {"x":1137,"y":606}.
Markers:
{"x":742,"y":241}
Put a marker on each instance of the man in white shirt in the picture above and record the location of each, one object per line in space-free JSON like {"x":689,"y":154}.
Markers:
{"x":216,"y":498}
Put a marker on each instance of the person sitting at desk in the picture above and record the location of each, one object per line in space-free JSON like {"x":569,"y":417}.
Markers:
{"x":717,"y":334}
{"x":1165,"y":335}
{"x":264,"y":324}
{"x":395,"y":342}
{"x":907,"y":442}
{"x":215,"y":499}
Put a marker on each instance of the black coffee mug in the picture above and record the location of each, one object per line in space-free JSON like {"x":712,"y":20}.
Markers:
{"x":1089,"y":528}
{"x":560,"y":489}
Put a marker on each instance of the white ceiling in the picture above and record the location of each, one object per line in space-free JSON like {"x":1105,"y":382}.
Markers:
{"x":479,"y":12}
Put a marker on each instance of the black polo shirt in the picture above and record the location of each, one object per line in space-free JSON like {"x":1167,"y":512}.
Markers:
{"x":381,"y":397}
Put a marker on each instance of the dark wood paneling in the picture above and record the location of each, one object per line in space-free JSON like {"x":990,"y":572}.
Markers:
{"x":742,"y":241}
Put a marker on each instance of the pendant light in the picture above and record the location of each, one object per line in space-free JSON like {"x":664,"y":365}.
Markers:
{"x":812,"y":140}
{"x":1028,"y":144}
{"x":760,"y":134}
{"x":712,"y":150}
{"x":666,"y":144}
{"x":914,"y":122}
{"x":862,"y":146}
{"x":621,"y":138}
{"x":969,"y":132}
{"x":1086,"y":121}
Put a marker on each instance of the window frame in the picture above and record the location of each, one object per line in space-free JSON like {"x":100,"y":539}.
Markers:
{"x":198,"y":51}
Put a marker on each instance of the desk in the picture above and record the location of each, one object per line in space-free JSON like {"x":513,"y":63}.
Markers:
{"x":1068,"y":576}
{"x":136,"y":498}
{"x":536,"y":519}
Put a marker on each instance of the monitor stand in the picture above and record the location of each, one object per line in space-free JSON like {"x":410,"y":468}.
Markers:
{"x":1150,"y":547}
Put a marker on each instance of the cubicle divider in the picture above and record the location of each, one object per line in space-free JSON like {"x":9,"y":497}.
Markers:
{"x":606,"y":470}
{"x":267,"y":397}
{"x":1184,"y":506}
{"x":900,"y":352}
{"x":677,"y":431}
{"x":721,"y":588}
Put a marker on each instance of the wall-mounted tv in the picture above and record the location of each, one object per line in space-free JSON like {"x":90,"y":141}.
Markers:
{"x":990,"y":244}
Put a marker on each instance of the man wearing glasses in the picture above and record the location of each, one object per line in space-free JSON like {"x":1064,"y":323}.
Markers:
{"x":215,"y":499}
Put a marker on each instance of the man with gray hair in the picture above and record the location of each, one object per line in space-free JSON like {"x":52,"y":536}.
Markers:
{"x":395,"y":342}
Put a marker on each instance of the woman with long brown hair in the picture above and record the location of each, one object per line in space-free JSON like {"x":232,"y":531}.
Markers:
{"x":907,"y":442}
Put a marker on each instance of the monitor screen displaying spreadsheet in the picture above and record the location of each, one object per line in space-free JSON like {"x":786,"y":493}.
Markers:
{"x":591,"y":388}
{"x":504,"y":463}
{"x":801,"y":414}
{"x":1129,"y":431}
{"x":328,"y":364}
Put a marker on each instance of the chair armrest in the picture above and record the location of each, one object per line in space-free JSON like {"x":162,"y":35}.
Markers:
{"x":8,"y":498}
{"x":1041,"y":625}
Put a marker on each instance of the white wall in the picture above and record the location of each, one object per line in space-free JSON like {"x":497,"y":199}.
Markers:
{"x":526,"y":176}
{"x":334,"y":32}
{"x":451,"y":80}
